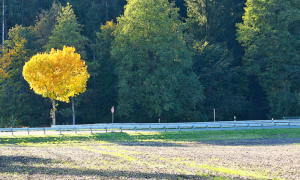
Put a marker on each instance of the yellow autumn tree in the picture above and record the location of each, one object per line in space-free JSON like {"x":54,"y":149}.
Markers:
{"x":57,"y":75}
{"x":5,"y":62}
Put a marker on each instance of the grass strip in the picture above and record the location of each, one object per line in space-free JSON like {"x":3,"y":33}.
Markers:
{"x":190,"y":136}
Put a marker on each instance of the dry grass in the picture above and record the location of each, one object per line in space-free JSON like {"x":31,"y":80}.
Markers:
{"x":151,"y":159}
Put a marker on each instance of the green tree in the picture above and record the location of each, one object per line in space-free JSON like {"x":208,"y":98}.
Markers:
{"x":67,"y":32}
{"x":224,"y":85}
{"x":154,"y":66}
{"x":23,"y":12}
{"x":102,"y":91}
{"x":214,"y":20}
{"x":270,"y":35}
{"x":16,"y":100}
{"x":89,"y":13}
{"x":45,"y":24}
{"x":215,"y":61}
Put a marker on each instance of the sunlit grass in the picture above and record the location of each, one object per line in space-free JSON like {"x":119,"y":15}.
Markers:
{"x":231,"y":171}
{"x":151,"y":136}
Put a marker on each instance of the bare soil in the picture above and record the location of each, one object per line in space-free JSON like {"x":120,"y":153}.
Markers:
{"x":233,"y":159}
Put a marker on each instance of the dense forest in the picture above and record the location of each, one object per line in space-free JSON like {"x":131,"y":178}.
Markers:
{"x":173,"y":60}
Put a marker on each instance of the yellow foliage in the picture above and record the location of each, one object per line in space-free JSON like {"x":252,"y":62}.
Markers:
{"x":5,"y":61}
{"x":57,"y":75}
{"x":108,"y":25}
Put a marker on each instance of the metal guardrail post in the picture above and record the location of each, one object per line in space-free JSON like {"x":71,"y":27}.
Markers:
{"x":106,"y":129}
{"x":44,"y":131}
{"x":91,"y":130}
{"x":59,"y":131}
{"x":165,"y":128}
{"x":12,"y":132}
{"x":121,"y":128}
{"x":28,"y":131}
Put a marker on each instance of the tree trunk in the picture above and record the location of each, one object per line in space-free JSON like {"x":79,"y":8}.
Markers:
{"x":106,"y":10}
{"x":73,"y":110}
{"x":53,"y":113}
{"x":22,"y":11}
{"x":3,"y":22}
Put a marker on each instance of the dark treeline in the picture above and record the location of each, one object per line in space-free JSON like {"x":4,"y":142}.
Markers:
{"x":176,"y":60}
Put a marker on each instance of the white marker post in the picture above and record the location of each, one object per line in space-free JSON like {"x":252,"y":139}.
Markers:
{"x":112,"y":110}
{"x":214,"y":115}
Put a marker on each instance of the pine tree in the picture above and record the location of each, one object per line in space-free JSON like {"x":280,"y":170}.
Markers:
{"x":67,"y":32}
{"x":45,"y":24}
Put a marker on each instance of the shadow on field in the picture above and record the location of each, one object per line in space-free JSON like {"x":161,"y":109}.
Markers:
{"x":8,"y":160}
{"x":21,"y":165}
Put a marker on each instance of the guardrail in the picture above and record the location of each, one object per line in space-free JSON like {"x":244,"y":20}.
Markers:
{"x":221,"y":125}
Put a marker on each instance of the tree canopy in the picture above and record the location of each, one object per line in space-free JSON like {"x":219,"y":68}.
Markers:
{"x":171,"y":59}
{"x":57,"y":75}
{"x":66,"y":31}
{"x":268,"y":33}
{"x":154,"y":66}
